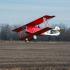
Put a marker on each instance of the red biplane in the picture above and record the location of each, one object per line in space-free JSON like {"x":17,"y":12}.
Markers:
{"x":31,"y":30}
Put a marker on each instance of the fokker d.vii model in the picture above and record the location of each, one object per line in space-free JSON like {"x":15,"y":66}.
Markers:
{"x":32,"y":30}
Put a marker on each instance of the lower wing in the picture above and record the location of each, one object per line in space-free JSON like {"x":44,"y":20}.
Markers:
{"x":30,"y":35}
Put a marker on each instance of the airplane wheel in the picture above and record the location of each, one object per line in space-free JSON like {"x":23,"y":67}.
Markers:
{"x":34,"y":37}
{"x":26,"y":40}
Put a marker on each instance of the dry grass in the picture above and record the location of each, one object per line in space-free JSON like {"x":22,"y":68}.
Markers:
{"x":18,"y":55}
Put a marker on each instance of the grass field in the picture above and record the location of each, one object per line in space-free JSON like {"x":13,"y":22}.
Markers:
{"x":18,"y":55}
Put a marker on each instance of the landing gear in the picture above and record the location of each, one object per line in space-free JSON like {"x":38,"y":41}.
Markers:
{"x":26,"y":40}
{"x":35,"y":37}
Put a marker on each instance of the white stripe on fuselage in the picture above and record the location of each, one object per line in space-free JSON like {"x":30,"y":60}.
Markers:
{"x":56,"y":33}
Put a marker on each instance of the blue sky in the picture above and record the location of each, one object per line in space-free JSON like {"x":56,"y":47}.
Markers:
{"x":23,"y":11}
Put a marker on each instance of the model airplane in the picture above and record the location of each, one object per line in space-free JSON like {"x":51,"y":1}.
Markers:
{"x":32,"y":30}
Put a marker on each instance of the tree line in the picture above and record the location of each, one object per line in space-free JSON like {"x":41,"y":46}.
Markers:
{"x":6,"y":33}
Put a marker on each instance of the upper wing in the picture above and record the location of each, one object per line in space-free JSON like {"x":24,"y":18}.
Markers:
{"x":39,"y":20}
{"x":19,"y":29}
{"x":33,"y":23}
